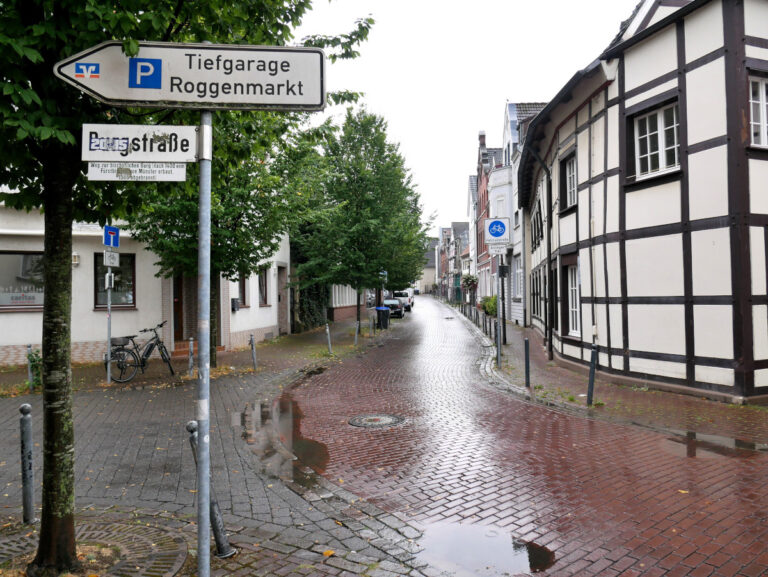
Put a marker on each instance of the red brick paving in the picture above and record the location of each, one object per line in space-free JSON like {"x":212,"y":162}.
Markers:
{"x":606,"y":498}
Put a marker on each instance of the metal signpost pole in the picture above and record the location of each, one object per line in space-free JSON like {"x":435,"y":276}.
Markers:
{"x":205,"y":152}
{"x":109,"y":324}
{"x":498,"y":312}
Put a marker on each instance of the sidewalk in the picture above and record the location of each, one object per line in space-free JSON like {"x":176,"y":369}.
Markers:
{"x":565,"y":385}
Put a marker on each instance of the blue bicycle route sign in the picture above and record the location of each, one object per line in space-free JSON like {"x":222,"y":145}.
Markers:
{"x":497,"y":230}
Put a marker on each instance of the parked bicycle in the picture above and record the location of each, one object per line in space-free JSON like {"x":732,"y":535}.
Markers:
{"x":126,"y":357}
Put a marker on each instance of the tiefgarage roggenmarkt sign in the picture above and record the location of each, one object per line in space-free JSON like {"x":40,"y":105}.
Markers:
{"x":204,"y":76}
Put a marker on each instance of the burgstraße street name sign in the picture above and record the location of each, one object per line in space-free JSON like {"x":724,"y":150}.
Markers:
{"x":203,"y":76}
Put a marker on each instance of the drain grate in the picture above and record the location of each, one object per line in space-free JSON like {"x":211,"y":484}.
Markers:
{"x":376,"y":421}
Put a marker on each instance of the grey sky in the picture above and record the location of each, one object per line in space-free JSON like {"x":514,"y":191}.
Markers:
{"x":439,"y":74}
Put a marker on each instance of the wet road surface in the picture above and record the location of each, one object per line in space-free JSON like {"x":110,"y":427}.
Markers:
{"x":578,"y":496}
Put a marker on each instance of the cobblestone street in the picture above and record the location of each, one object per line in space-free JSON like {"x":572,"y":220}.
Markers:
{"x":426,"y":463}
{"x":604,"y":498}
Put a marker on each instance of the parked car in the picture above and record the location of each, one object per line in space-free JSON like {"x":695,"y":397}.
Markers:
{"x":406,"y":297}
{"x":396,"y":308}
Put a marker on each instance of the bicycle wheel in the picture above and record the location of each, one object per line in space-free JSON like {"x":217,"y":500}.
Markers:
{"x":123,"y":365}
{"x":166,"y":357}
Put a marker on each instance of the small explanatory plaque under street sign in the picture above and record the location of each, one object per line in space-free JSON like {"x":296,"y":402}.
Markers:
{"x":146,"y":171}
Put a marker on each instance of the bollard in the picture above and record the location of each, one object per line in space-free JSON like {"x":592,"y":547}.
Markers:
{"x":30,"y":378}
{"x":591,"y":386}
{"x":498,"y":344}
{"x":191,"y":364}
{"x":27,"y":471}
{"x":328,"y":334}
{"x":527,"y":364}
{"x":357,"y":330}
{"x":223,"y":549}
{"x":252,"y":342}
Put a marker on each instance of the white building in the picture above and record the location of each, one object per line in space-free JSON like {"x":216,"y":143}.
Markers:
{"x":648,"y":215}
{"x":139,"y":300}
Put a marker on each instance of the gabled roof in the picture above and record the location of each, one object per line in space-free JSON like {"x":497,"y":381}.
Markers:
{"x":473,"y":188}
{"x":522,"y":110}
{"x":645,"y":21}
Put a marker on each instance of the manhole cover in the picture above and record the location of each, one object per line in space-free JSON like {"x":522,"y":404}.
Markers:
{"x":376,"y":421}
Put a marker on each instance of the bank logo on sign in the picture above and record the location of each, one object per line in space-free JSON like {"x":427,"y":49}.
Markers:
{"x":497,"y":229}
{"x":145,"y":73}
{"x":86,"y":69}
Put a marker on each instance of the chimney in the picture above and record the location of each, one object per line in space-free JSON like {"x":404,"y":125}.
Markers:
{"x":481,"y":138}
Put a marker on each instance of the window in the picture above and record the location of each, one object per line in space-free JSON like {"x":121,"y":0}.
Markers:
{"x":517,"y":277}
{"x":517,"y":218}
{"x":758,"y":102}
{"x":499,"y":207}
{"x":21,"y":279}
{"x":124,"y":291}
{"x":242,"y":295}
{"x":656,"y":144}
{"x":568,"y":194}
{"x":263,"y":300}
{"x":573,"y":301}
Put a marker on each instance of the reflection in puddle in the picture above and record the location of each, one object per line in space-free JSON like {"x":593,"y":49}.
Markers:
{"x":276,"y":439}
{"x":478,"y":551}
{"x":703,"y":446}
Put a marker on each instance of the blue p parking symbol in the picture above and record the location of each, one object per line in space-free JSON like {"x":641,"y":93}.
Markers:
{"x":145,"y":73}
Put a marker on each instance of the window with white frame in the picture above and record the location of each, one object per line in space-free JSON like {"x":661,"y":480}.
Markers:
{"x":517,"y":277}
{"x":657,"y":148}
{"x":263,"y":288}
{"x":573,"y":301}
{"x":758,"y":102}
{"x":568,"y":182}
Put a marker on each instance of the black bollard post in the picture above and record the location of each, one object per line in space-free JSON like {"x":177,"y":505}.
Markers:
{"x":252,"y":342}
{"x":591,"y":386}
{"x":223,"y":549}
{"x":527,"y":364}
{"x":27,"y":470}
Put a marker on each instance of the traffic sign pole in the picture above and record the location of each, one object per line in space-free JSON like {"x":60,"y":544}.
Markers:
{"x":204,"y":350}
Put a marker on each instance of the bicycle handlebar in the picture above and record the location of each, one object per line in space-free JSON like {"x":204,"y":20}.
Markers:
{"x":162,"y":324}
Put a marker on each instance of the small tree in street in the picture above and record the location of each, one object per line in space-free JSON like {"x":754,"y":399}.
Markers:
{"x":370,"y":219}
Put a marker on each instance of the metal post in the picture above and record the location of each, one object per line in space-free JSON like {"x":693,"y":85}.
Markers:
{"x":591,"y":386}
{"x":27,"y":470}
{"x":205,"y":154}
{"x":191,"y":362}
{"x":499,"y":303}
{"x":30,"y":376}
{"x":223,"y":548}
{"x":503,"y":299}
{"x":109,"y":324}
{"x":527,"y":364}
{"x":328,"y":335}
{"x":357,"y":330}
{"x":252,"y":342}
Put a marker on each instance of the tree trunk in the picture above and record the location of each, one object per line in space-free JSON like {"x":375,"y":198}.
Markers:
{"x":358,"y":305}
{"x":56,"y":549}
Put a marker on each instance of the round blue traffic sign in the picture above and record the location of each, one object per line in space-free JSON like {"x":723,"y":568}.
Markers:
{"x":497,"y":228}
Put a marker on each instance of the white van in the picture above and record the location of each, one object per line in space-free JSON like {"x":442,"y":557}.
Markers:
{"x":406,"y":297}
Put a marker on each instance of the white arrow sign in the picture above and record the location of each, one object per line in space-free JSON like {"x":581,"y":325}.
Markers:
{"x":205,"y":76}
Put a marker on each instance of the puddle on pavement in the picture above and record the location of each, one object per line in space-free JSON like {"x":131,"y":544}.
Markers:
{"x":480,"y":551}
{"x":310,"y":454}
{"x":699,"y":445}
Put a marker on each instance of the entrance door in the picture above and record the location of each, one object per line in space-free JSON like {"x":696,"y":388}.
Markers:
{"x":178,"y":309}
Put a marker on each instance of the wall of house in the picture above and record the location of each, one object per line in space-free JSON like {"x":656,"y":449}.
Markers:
{"x":672,"y":265}
{"x":22,"y":232}
{"x":255,"y":318}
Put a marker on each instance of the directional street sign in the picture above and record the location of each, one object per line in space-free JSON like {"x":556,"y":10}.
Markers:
{"x":204,"y":76}
{"x":112,"y":236}
{"x":497,"y":249}
{"x":139,"y":143}
{"x":497,"y":230}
